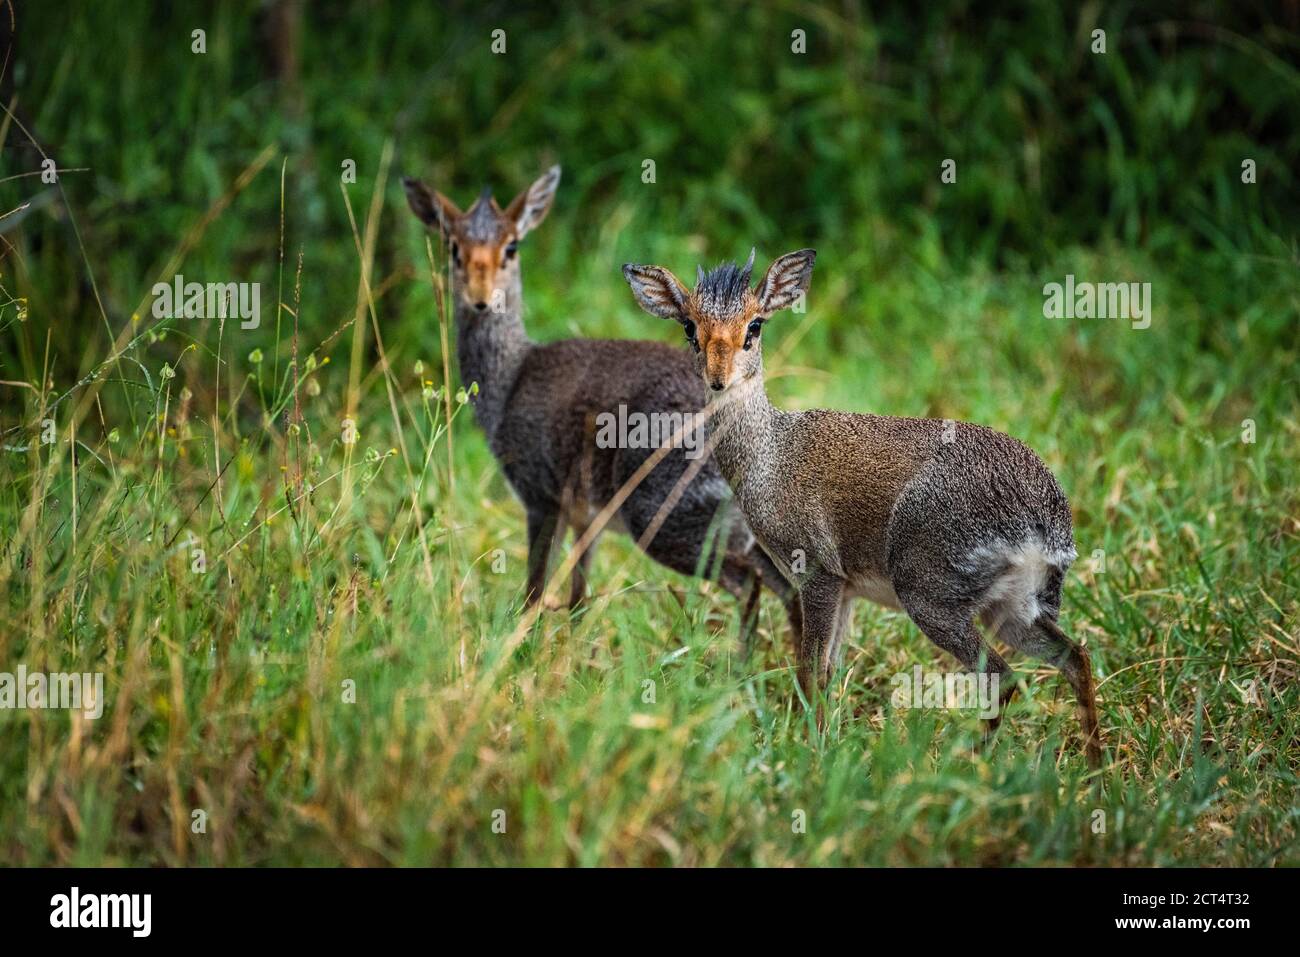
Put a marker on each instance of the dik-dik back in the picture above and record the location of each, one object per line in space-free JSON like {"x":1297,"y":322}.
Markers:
{"x":548,"y":441}
{"x":855,"y":489}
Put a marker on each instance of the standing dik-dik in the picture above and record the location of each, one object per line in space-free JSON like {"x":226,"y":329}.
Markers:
{"x":945,"y":520}
{"x":538,"y":403}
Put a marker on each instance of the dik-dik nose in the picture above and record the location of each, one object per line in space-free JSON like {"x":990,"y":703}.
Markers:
{"x":479,"y":289}
{"x":717,"y":365}
{"x":482,"y":279}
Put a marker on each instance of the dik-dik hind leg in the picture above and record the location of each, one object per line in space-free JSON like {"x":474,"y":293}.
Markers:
{"x":951,"y":626}
{"x":542,"y":525}
{"x":953,"y":630}
{"x":1045,"y":641}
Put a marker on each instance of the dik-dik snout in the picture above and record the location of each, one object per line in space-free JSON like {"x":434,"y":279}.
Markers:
{"x":719,"y":352}
{"x":484,"y":240}
{"x":483,"y":262}
{"x":722,"y":316}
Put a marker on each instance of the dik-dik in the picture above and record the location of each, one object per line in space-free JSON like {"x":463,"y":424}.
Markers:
{"x":946,"y":520}
{"x":538,"y":402}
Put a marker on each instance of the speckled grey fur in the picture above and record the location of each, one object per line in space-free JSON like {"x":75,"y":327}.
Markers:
{"x":949,"y":521}
{"x":537,"y":404}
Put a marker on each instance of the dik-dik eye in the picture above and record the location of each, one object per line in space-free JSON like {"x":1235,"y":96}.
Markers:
{"x":455,"y":254}
{"x":752,"y":332}
{"x":690,"y":335}
{"x":512,"y":248}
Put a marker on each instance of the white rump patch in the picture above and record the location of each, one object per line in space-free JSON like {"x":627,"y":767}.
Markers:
{"x":1025,"y":567}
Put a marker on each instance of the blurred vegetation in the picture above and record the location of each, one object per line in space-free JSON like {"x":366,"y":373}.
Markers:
{"x":840,"y":147}
{"x":328,"y":561}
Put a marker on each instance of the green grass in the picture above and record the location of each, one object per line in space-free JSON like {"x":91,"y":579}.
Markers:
{"x":348,"y":679}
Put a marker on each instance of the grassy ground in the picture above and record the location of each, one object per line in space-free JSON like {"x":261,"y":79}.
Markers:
{"x":317,"y":643}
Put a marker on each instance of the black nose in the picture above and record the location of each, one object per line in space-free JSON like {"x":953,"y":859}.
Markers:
{"x":715,"y":385}
{"x":480,"y":306}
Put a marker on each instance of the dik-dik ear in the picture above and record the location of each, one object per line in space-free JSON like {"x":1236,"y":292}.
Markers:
{"x":435,"y":210}
{"x":657,"y":291}
{"x":784,"y":281}
{"x":530,"y":207}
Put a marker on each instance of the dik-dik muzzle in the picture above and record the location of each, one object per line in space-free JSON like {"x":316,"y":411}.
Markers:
{"x":484,"y":240}
{"x":722,"y":316}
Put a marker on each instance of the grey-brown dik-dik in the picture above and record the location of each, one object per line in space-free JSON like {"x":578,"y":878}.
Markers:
{"x":538,"y":402}
{"x":946,"y":520}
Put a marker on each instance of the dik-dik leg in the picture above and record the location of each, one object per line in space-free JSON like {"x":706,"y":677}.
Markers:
{"x":950,"y":624}
{"x":789,"y":595}
{"x":578,"y":577}
{"x":1077,"y":668}
{"x":542,"y":524}
{"x":740,"y":577}
{"x":821,"y":597}
{"x":1044,"y":640}
{"x":842,"y":625}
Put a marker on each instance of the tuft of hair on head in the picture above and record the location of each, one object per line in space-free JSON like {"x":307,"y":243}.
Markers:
{"x":720,"y":292}
{"x":483,"y":219}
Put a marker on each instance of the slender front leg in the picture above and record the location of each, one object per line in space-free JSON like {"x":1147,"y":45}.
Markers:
{"x":821,"y":597}
{"x":842,"y":625}
{"x":794,"y":610}
{"x":749,"y":616}
{"x":789,"y":595}
{"x":578,"y":578}
{"x":541,"y":533}
{"x":742,"y":579}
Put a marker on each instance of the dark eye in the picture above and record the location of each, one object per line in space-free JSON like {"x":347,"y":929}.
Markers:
{"x":455,"y":254}
{"x":752,"y":332}
{"x":512,"y":247}
{"x":690,"y":335}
